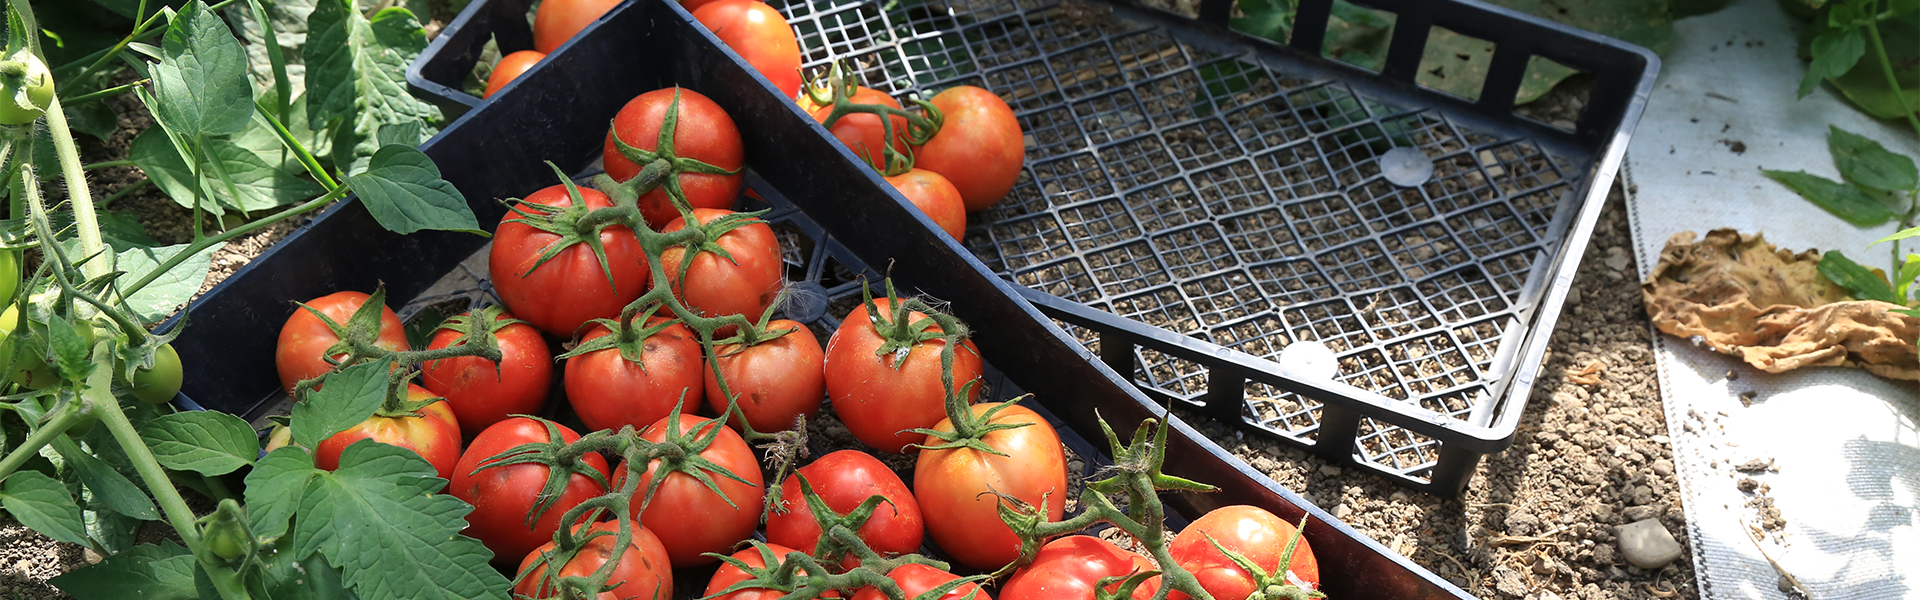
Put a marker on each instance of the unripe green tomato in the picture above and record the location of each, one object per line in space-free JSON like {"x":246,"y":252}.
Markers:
{"x":9,"y":321}
{"x":9,"y":275}
{"x":279,"y":437}
{"x":159,"y":384}
{"x":24,"y":97}
{"x":81,"y":427}
{"x":32,"y":370}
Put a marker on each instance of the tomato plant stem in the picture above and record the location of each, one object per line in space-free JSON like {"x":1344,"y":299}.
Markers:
{"x":250,"y":227}
{"x":300,"y":151}
{"x":1886,"y":70}
{"x":129,"y":190}
{"x":63,"y":418}
{"x":78,"y":194}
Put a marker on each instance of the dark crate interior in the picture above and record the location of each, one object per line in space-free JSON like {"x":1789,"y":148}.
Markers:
{"x":1217,"y":196}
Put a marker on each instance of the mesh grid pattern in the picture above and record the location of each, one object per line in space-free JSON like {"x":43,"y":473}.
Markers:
{"x":1212,"y":196}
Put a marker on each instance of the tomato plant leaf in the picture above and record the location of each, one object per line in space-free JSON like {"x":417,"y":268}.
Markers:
{"x":388,"y":493}
{"x":69,"y":350}
{"x":201,"y":79}
{"x":171,"y":289}
{"x":162,"y":572}
{"x":404,"y":191}
{"x":1860,"y":281}
{"x":1271,"y":19}
{"x":1835,"y":51}
{"x":111,"y":489}
{"x":1844,"y":201}
{"x":254,"y":159}
{"x":1864,"y":161}
{"x":356,"y":73}
{"x":205,"y":442}
{"x":42,"y":504}
{"x":274,"y":488}
{"x":350,"y":396}
{"x":1909,"y":270}
{"x":283,"y":577}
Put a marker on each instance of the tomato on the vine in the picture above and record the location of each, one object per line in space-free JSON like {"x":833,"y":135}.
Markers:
{"x":934,"y":195}
{"x":159,"y":383}
{"x":1251,"y":532}
{"x":882,"y":399}
{"x":773,"y":381}
{"x":702,"y":132}
{"x":745,"y":282}
{"x":1071,"y":567}
{"x":759,"y":34}
{"x":915,"y":579}
{"x":608,"y":391}
{"x":689,"y":518}
{"x":844,"y":480}
{"x":559,"y":20}
{"x":643,"y":571}
{"x":863,"y":132}
{"x":304,"y":340}
{"x":503,"y":495}
{"x":728,"y":575}
{"x":571,"y":288}
{"x":979,"y":148}
{"x":509,"y":68}
{"x":958,"y":485}
{"x":434,"y":435}
{"x":33,"y":84}
{"x":482,"y":392}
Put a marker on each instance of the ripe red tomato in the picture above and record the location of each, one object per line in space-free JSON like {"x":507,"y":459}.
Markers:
{"x":687,"y":516}
{"x":607,"y":391}
{"x":844,"y":479}
{"x":1070,"y":567}
{"x":714,"y":286}
{"x":643,"y":571}
{"x":1250,"y":531}
{"x":703,"y":132}
{"x":862,"y":131}
{"x":502,"y":496}
{"x":979,"y":148}
{"x":558,"y":20}
{"x":434,"y":435}
{"x":482,"y":392}
{"x":509,"y":68}
{"x":759,"y":34}
{"x":571,"y":289}
{"x":304,"y":339}
{"x":880,"y":403}
{"x":917,"y":579}
{"x":954,"y":485}
{"x":934,"y":195}
{"x":727,"y":575}
{"x":773,"y":381}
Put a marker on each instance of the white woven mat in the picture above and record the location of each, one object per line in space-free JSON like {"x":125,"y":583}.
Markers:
{"x":1845,"y":443}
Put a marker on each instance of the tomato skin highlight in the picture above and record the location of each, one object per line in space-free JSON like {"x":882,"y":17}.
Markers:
{"x":1249,"y":530}
{"x":643,"y":571}
{"x":844,"y":479}
{"x":715,"y":286}
{"x":304,"y":339}
{"x":759,"y":34}
{"x":881,"y":404}
{"x":954,"y":485}
{"x":688,"y":517}
{"x":934,"y":195}
{"x":510,"y":68}
{"x":862,"y":132}
{"x":980,"y":148}
{"x":559,"y":20}
{"x":775,"y":381}
{"x":608,"y":392}
{"x":1069,"y":568}
{"x":481,"y":392}
{"x":917,"y":579}
{"x":704,"y":132}
{"x":570,"y":289}
{"x":434,"y":435}
{"x":502,"y":496}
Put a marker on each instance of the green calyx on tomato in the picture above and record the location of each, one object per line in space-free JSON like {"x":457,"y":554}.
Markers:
{"x":832,"y":546}
{"x":359,"y":340}
{"x":562,"y":460}
{"x":660,"y":168}
{"x":26,"y":88}
{"x":577,"y":223}
{"x":834,"y":101}
{"x":1277,"y":584}
{"x":225,"y":532}
{"x":159,"y":381}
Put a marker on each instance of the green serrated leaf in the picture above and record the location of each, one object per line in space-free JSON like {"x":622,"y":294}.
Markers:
{"x":274,"y":489}
{"x":43,"y":505}
{"x":1844,"y":201}
{"x":166,"y":293}
{"x":114,"y":532}
{"x":205,"y":442}
{"x":1860,"y":281}
{"x":122,"y":230}
{"x":1835,"y":52}
{"x":111,"y":489}
{"x":288,"y":21}
{"x":283,"y":577}
{"x":201,"y":79}
{"x":388,"y":493}
{"x":349,"y":397}
{"x":264,"y":178}
{"x":149,"y":572}
{"x":1865,"y":162}
{"x":356,"y":74}
{"x":69,"y":350}
{"x":404,"y":191}
{"x":94,"y":118}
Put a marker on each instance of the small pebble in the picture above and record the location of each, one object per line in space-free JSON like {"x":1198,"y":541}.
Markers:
{"x":1340,"y":511}
{"x":1639,"y":513}
{"x":1663,"y":467}
{"x":1647,"y":544}
{"x":1329,"y":470}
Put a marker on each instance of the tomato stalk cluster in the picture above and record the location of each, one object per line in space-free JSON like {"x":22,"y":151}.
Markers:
{"x":835,"y":88}
{"x":359,"y":343}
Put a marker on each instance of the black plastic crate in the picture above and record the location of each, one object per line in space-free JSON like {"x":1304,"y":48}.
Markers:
{"x":1196,"y":200}
{"x":497,"y":151}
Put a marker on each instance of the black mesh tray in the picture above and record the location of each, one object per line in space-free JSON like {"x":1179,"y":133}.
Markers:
{"x":1196,"y":200}
{"x":496,"y":152}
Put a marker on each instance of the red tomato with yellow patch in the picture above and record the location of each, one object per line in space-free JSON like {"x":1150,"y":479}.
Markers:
{"x":934,"y":195}
{"x":1250,"y":531}
{"x":302,"y":351}
{"x":607,"y":391}
{"x":643,"y":571}
{"x":774,"y":381}
{"x":434,"y":434}
{"x":882,"y":399}
{"x":980,"y":148}
{"x":957,"y":485}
